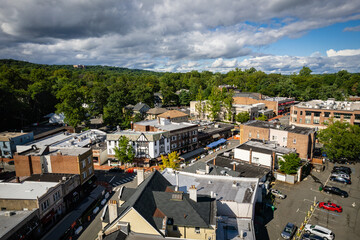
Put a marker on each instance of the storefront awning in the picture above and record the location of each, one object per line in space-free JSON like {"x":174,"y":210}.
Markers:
{"x":216,"y":143}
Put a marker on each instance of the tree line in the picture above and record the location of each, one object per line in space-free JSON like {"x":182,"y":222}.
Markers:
{"x":30,"y":91}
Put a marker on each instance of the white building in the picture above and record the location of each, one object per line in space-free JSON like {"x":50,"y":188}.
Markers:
{"x":235,"y":198}
{"x":146,"y":144}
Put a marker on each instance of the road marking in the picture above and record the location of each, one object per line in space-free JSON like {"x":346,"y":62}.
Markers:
{"x":327,"y":211}
{"x":314,"y":190}
{"x":112,"y":179}
{"x":297,"y":210}
{"x":312,"y":201}
{"x":327,"y":180}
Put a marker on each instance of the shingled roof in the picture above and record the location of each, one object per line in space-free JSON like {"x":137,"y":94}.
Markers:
{"x":172,"y":114}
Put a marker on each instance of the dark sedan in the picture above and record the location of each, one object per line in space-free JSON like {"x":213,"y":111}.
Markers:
{"x":288,"y":231}
{"x":310,"y":236}
{"x":342,"y":169}
{"x":336,"y":191}
{"x":340,"y":179}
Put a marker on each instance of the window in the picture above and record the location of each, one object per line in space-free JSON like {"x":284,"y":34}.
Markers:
{"x":274,"y":138}
{"x":326,"y":122}
{"x":83,"y":163}
{"x":300,"y":120}
{"x":284,"y":139}
{"x":294,"y":141}
{"x":347,"y":116}
{"x":357,"y":116}
{"x":173,"y":145}
{"x":155,"y":143}
{"x":295,"y":112}
{"x":337,"y":115}
{"x":307,"y":113}
{"x":194,"y":140}
{"x":316,"y":114}
{"x":326,"y":114}
{"x":56,"y":196}
{"x":300,"y":112}
{"x":173,"y":138}
{"x":197,"y":230}
{"x":84,"y":174}
{"x":179,"y":137}
{"x":307,"y":120}
{"x":294,"y":119}
{"x":316,"y":121}
{"x":45,"y":205}
{"x":155,"y":152}
{"x":258,"y":135}
{"x":249,"y":134}
{"x":194,"y":132}
{"x":90,"y":171}
{"x":89,"y":159}
{"x":175,"y":228}
{"x":255,"y":160}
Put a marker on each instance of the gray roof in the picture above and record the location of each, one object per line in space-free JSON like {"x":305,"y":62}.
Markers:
{"x":139,"y":106}
{"x":25,"y":190}
{"x":152,"y":194}
{"x":8,"y":223}
{"x":214,"y":170}
{"x":292,"y":128}
{"x":256,"y":96}
{"x":133,"y":135}
{"x":267,"y":147}
{"x":156,"y":111}
{"x":169,"y":126}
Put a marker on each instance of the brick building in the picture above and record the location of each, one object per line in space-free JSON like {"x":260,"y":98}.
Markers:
{"x":316,"y":113}
{"x":300,"y":138}
{"x":9,"y":141}
{"x":55,"y":160}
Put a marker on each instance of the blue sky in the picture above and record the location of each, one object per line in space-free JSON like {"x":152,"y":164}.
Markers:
{"x":278,"y":36}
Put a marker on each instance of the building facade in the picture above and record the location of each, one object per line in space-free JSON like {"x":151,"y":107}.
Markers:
{"x":9,"y":141}
{"x":317,"y":113}
{"x":300,"y":138}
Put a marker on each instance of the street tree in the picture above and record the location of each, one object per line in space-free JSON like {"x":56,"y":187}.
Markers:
{"x":340,"y":140}
{"x":242,"y":117}
{"x":262,"y":117}
{"x":124,"y":152}
{"x":228,"y":102}
{"x":290,"y":164}
{"x":214,"y":103}
{"x":170,"y":161}
{"x":200,"y":107}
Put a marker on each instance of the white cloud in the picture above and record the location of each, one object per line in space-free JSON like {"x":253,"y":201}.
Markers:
{"x":345,"y":52}
{"x":352,"y":29}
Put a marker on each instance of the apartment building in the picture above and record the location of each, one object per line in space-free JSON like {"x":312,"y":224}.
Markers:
{"x":300,"y":138}
{"x":316,"y":113}
{"x":183,"y":136}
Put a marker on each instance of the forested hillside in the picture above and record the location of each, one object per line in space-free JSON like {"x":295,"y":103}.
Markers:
{"x":30,"y":91}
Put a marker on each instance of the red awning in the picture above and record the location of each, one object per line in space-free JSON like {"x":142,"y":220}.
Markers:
{"x":48,"y":217}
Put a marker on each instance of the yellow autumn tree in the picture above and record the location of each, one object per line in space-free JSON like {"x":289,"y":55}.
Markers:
{"x":170,"y":161}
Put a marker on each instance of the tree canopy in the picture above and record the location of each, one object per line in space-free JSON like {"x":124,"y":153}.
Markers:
{"x":242,"y":117}
{"x":340,"y":140}
{"x":170,"y":161}
{"x":290,"y":163}
{"x":124,"y":152}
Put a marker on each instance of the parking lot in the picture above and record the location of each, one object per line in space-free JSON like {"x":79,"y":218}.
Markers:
{"x":301,"y":196}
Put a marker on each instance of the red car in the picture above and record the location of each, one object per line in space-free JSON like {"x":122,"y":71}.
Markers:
{"x":330,"y":206}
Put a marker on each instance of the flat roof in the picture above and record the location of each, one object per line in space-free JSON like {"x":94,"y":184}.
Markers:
{"x":7,"y":223}
{"x":330,"y":104}
{"x":74,"y":151}
{"x":266,"y":147}
{"x":222,"y":186}
{"x":24,"y":190}
{"x":291,"y":128}
{"x":6,"y":136}
{"x":169,"y":126}
{"x":83,"y":139}
{"x":49,"y":177}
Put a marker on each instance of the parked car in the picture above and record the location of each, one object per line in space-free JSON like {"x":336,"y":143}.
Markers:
{"x":340,"y":180}
{"x":320,"y":231}
{"x":339,"y":172}
{"x":115,"y":169}
{"x":336,"y":191}
{"x":330,"y":206}
{"x":288,"y":231}
{"x":343,"y":175}
{"x":277,"y":193}
{"x":343,"y":169}
{"x":310,"y":236}
{"x":11,"y":162}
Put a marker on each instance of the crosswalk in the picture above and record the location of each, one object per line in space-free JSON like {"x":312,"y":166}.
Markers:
{"x":123,"y":181}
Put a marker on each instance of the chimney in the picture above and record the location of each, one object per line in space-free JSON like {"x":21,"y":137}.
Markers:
{"x":177,"y":181}
{"x":132,"y":125}
{"x":193,"y":193}
{"x":273,"y":161}
{"x":207,"y":168}
{"x":234,"y":165}
{"x":140,"y":176}
{"x":113,"y":213}
{"x":17,"y":179}
{"x":214,"y":161}
{"x":250,"y":155}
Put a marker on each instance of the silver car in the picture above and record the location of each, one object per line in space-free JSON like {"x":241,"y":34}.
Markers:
{"x":339,"y":174}
{"x":277,"y":193}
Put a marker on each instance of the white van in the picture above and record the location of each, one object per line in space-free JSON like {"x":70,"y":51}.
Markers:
{"x":320,"y":231}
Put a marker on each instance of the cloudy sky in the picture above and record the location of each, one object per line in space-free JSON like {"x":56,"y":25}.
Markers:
{"x":168,"y":35}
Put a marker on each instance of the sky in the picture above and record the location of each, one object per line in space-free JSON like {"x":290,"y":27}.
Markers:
{"x":274,"y":36}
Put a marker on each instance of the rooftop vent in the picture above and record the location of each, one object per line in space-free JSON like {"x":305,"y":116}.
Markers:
{"x":235,"y":184}
{"x":9,"y":213}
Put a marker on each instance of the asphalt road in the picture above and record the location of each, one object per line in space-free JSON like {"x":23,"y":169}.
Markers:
{"x":301,"y":196}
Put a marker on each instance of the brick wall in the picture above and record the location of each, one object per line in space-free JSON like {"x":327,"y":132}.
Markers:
{"x":246,"y":101}
{"x":22,"y":165}
{"x":303,"y":144}
{"x":256,"y":133}
{"x":18,"y":204}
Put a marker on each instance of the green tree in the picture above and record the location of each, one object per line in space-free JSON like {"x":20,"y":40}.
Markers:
{"x":228,"y":102}
{"x":171,"y":161}
{"x":184,"y":98}
{"x":214,"y":103}
{"x":242,"y":117}
{"x":124,"y":152}
{"x":340,"y":140}
{"x":305,"y":71}
{"x":200,"y":107}
{"x":72,"y":103}
{"x":262,"y":117}
{"x":290,"y":164}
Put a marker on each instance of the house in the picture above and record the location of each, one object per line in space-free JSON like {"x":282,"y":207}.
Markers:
{"x":154,"y":112}
{"x":175,"y":116}
{"x":9,"y":141}
{"x":156,"y":209}
{"x":45,"y":196}
{"x":183,"y":136}
{"x":55,"y":160}
{"x":235,"y":197}
{"x":141,"y":108}
{"x":147,"y":145}
{"x":262,"y":153}
{"x":300,"y":138}
{"x":316,"y":113}
{"x":158,"y":99}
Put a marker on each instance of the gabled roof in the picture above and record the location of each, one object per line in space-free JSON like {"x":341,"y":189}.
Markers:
{"x":134,"y":136}
{"x":139,"y":106}
{"x":172,"y":114}
{"x":156,"y":111}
